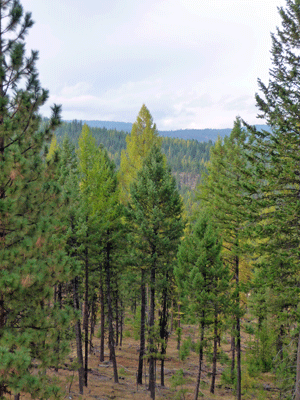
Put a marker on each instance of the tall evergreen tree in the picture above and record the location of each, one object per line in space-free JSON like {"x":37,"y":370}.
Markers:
{"x":31,"y":257}
{"x":275,"y":153}
{"x":224,"y":192}
{"x":155,"y":213}
{"x":201,"y":271}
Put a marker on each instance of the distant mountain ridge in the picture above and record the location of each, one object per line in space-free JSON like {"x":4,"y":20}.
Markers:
{"x":202,"y":135}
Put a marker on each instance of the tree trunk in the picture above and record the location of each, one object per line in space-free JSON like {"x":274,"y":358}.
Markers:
{"x":200,"y":356}
{"x":238,"y":334}
{"x":142,"y":332}
{"x":117,"y":318}
{"x":121,"y":323}
{"x":102,"y":321}
{"x":172,"y":312}
{"x":93,"y":321}
{"x":214,"y":367}
{"x":297,"y":390}
{"x":151,"y":335}
{"x":232,"y":357}
{"x":163,"y":335}
{"x":58,"y":297}
{"x":178,"y":325}
{"x":78,"y":336}
{"x":110,"y":315}
{"x":86,"y":318}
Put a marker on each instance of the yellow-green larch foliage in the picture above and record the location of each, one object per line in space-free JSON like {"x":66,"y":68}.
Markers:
{"x":52,"y":149}
{"x":142,"y":137}
{"x":97,"y":173}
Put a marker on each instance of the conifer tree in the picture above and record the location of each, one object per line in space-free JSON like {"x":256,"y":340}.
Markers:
{"x":98,"y":185}
{"x":201,"y":272}
{"x":138,"y":144}
{"x":155,"y":214}
{"x":274,"y":153}
{"x":32,"y":259}
{"x":225,"y":192}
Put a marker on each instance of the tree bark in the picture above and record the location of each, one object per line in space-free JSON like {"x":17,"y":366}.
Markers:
{"x":178,"y":325}
{"x":200,"y":356}
{"x":117,"y":317}
{"x":151,"y":335}
{"x":86,"y":318}
{"x":238,"y":333}
{"x":142,"y":331}
{"x":110,"y":315}
{"x":102,"y":339}
{"x":214,"y":368}
{"x":78,"y":336}
{"x":232,"y":356}
{"x":163,"y":336}
{"x":93,"y":321}
{"x":121,"y":323}
{"x":297,"y":391}
{"x":58,"y":297}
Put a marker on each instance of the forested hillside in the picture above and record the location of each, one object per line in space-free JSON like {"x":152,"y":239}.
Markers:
{"x":186,"y":158}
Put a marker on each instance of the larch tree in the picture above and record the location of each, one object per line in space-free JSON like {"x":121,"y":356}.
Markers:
{"x":32,"y":260}
{"x":154,"y":212}
{"x":98,"y":185}
{"x":138,"y":144}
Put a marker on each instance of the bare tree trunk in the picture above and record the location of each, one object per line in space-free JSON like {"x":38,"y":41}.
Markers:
{"x":151,"y":334}
{"x":58,"y":297}
{"x":297,"y":390}
{"x":93,"y":321}
{"x":102,"y":322}
{"x":238,"y":333}
{"x":142,"y":332}
{"x":78,"y":336}
{"x":121,"y":323}
{"x":163,"y":335}
{"x":172,"y":312}
{"x":178,"y":324}
{"x":117,"y":317}
{"x":200,"y":356}
{"x":214,"y":368}
{"x":86,"y":318}
{"x":232,"y":356}
{"x":110,"y":315}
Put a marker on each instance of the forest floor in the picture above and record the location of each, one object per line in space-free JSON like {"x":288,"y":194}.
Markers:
{"x":101,"y":385}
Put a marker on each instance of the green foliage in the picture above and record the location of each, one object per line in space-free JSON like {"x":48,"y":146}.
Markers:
{"x":178,"y":379}
{"x":185,"y":349}
{"x":261,"y":352}
{"x":187,"y":158}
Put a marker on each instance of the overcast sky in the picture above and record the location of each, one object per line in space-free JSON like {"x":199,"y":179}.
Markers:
{"x":194,"y":63}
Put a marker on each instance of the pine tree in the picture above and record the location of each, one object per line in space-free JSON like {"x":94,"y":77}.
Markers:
{"x":275,"y":153}
{"x":201,"y":271}
{"x":155,"y":214}
{"x":225,"y":191}
{"x":32,"y":257}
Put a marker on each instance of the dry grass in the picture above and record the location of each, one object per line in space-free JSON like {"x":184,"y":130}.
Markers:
{"x":102,"y":387}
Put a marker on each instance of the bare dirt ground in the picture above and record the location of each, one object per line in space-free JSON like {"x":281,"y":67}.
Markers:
{"x":102,"y":387}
